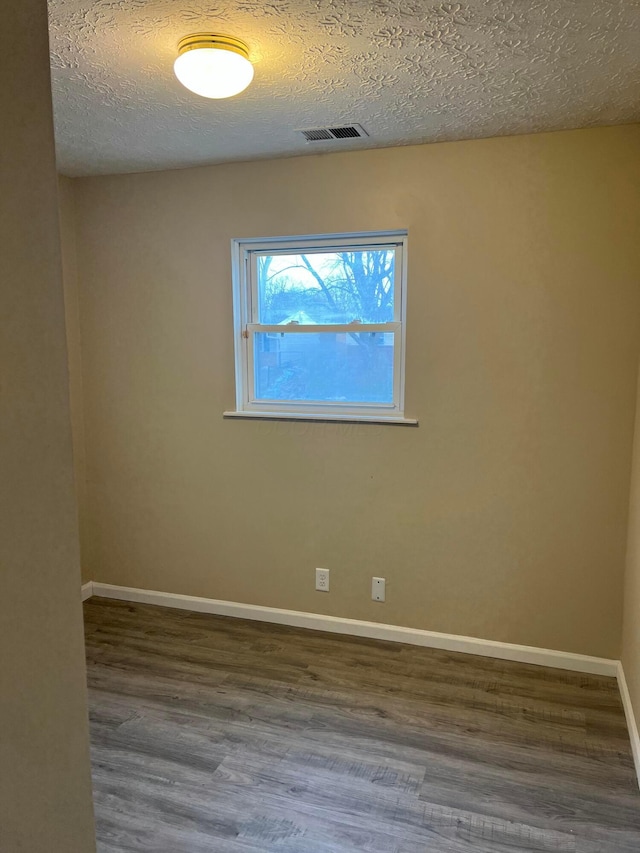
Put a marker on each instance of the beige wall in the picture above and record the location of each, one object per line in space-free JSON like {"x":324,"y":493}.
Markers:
{"x":45,"y":792}
{"x":72,"y":320}
{"x":503,"y":515}
{"x":631,"y":628}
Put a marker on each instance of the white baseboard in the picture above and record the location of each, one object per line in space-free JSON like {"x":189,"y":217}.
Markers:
{"x":631,"y":719}
{"x":357,"y":628}
{"x":87,"y":590}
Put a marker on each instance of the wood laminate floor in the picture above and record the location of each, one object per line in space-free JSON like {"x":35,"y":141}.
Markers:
{"x":217,"y":735}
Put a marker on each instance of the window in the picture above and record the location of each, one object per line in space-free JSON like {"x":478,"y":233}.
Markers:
{"x":319,"y":327}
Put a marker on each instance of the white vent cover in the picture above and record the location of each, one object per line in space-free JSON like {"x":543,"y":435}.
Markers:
{"x":345,"y":131}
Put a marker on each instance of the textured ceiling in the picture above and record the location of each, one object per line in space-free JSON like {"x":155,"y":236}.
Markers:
{"x":407,"y":70}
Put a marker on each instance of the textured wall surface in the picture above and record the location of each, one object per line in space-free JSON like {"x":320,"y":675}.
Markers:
{"x":503,"y":515}
{"x":407,"y":70}
{"x":45,"y":786}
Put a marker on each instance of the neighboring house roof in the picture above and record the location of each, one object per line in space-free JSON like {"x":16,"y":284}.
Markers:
{"x":300,"y":318}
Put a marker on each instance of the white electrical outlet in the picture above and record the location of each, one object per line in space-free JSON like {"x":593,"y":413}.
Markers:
{"x":377,"y":589}
{"x":322,"y":580}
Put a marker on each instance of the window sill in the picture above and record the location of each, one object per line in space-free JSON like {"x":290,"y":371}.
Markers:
{"x":350,"y":419}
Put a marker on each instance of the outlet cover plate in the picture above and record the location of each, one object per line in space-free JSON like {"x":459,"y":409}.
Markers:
{"x":378,"y":589}
{"x":322,"y":580}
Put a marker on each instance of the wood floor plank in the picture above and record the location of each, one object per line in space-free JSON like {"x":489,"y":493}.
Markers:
{"x":229,"y":736}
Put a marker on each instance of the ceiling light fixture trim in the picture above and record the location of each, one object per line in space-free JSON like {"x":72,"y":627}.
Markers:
{"x":213,"y":65}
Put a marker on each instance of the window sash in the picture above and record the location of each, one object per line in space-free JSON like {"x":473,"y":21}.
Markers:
{"x":335,"y":328}
{"x":252,"y":401}
{"x":252,"y":254}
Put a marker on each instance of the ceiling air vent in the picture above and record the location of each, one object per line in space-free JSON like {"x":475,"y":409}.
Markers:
{"x":319,"y":134}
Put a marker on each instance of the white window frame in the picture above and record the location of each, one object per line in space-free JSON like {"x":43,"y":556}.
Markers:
{"x":245,"y":312}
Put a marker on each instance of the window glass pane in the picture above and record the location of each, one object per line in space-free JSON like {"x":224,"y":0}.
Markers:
{"x":326,"y":287}
{"x":350,"y":367}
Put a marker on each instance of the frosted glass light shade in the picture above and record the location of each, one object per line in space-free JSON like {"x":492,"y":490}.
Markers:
{"x":213,"y":66}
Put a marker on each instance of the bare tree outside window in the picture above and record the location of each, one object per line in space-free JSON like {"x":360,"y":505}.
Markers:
{"x":337,"y":287}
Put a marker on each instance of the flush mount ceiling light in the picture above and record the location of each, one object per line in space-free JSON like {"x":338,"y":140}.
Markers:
{"x":213,"y":65}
